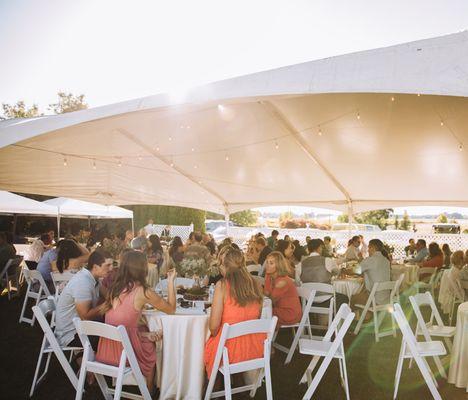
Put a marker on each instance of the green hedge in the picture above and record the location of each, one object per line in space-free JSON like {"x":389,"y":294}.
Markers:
{"x":167,"y":215}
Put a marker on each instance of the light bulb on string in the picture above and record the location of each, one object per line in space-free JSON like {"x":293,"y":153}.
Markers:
{"x":139,"y":157}
{"x":120,"y":162}
{"x":195,"y":166}
{"x":320,"y":131}
{"x":276,"y":145}
{"x":393,"y":98}
{"x":193,"y":149}
{"x":94,"y":164}
{"x":358,"y":116}
{"x":65,"y":163}
{"x":441,"y":123}
{"x":170,"y":138}
{"x":419,"y":94}
{"x":460,"y":147}
{"x":157,"y":148}
{"x":226,"y":158}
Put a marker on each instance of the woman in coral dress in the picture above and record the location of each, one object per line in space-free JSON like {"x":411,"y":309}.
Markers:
{"x":127,"y":296}
{"x":282,"y":290}
{"x":237,"y":298}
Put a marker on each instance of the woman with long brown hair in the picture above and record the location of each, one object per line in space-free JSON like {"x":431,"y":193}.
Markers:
{"x":237,"y":298}
{"x":126,"y":298}
{"x":282,"y":290}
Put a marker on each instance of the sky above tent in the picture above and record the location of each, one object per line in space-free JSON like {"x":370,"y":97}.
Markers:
{"x":117,"y":50}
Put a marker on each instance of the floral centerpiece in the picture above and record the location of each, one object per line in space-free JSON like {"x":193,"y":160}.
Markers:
{"x":190,"y":267}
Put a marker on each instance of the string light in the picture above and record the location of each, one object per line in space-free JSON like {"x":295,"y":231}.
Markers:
{"x":195,"y":166}
{"x":94,"y":164}
{"x":157,"y":148}
{"x":193,"y":149}
{"x":460,"y":148}
{"x":358,"y":116}
{"x":170,"y":138}
{"x":120,"y":162}
{"x":441,"y":123}
{"x":65,"y":161}
{"x":320,"y":131}
{"x":419,"y":94}
{"x":226,"y":158}
{"x":276,"y":145}
{"x":393,"y":98}
{"x":139,"y":157}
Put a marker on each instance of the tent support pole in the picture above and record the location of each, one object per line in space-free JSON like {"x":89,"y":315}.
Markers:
{"x":133,"y":226}
{"x":226,"y":219}
{"x":350,"y":218}
{"x":58,"y":227}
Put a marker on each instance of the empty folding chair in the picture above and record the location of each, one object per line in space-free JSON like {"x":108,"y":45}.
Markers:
{"x":10,"y":274}
{"x":323,"y":293}
{"x":50,"y":346}
{"x":262,"y":365}
{"x":328,"y":349}
{"x":412,"y":349}
{"x":307,"y":296}
{"x":429,"y":329}
{"x":254,"y":268}
{"x":36,"y":290}
{"x":393,"y":288}
{"x":127,"y":371}
{"x":428,"y":284}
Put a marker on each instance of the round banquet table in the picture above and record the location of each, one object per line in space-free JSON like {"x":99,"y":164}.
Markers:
{"x":348,"y":286}
{"x":410,"y":271}
{"x":458,"y":372}
{"x":180,"y":360}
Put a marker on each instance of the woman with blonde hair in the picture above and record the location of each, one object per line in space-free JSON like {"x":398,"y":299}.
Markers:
{"x":126,"y":298}
{"x":282,"y":290}
{"x":237,"y":298}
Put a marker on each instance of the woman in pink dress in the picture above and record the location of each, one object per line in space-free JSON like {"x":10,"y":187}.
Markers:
{"x":282,"y":290}
{"x":237,"y":298}
{"x":127,"y":296}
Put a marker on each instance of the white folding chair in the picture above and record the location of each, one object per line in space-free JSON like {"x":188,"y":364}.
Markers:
{"x":60,"y":280}
{"x":307,"y":296}
{"x":122,"y":373}
{"x":50,"y":346}
{"x":223,"y":364}
{"x":186,"y":282}
{"x":328,"y":349}
{"x":457,"y":296}
{"x":422,"y":286}
{"x":428,"y":329}
{"x":412,"y":349}
{"x":393,"y":288}
{"x":324,"y":292}
{"x":35,"y":282}
{"x":259,"y":279}
{"x":254,"y":268}
{"x":10,"y":274}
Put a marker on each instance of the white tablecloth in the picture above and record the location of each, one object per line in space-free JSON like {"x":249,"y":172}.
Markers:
{"x":180,"y":366}
{"x":348,"y":286}
{"x":410,"y":271}
{"x":458,"y":373}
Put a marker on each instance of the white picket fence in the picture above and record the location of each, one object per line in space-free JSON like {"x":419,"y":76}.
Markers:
{"x":176,"y":230}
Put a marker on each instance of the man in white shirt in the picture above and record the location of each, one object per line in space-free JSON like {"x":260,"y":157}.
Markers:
{"x":150,"y":229}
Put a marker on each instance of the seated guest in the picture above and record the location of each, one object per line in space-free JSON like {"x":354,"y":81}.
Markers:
{"x":376,"y":268}
{"x":80,"y":297}
{"x":421,"y":252}
{"x":7,"y":250}
{"x":286,"y":248}
{"x":197,"y":250}
{"x":237,"y":298}
{"x":327,"y":250}
{"x":262,"y":249}
{"x":37,"y":249}
{"x":176,"y":251}
{"x":319,"y":269}
{"x":155,"y":251}
{"x":271,"y":241}
{"x":435,"y":258}
{"x":128,"y":238}
{"x":107,"y":281}
{"x":282,"y":290}
{"x":210,"y":243}
{"x":352,"y":252}
{"x":464,"y":278}
{"x":410,"y":250}
{"x":447,"y":255}
{"x":299,"y":252}
{"x":44,"y":266}
{"x":124,"y":304}
{"x":70,"y":255}
{"x":456,"y":275}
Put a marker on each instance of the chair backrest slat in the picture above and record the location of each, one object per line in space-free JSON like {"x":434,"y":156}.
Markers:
{"x":92,"y":328}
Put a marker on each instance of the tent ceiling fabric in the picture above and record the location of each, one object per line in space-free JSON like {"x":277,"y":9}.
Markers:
{"x":11,"y":203}
{"x":77,"y":208}
{"x":380,"y":128}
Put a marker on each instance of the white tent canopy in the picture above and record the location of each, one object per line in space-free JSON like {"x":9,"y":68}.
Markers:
{"x":78,"y":208}
{"x":374,"y":129}
{"x":11,"y":203}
